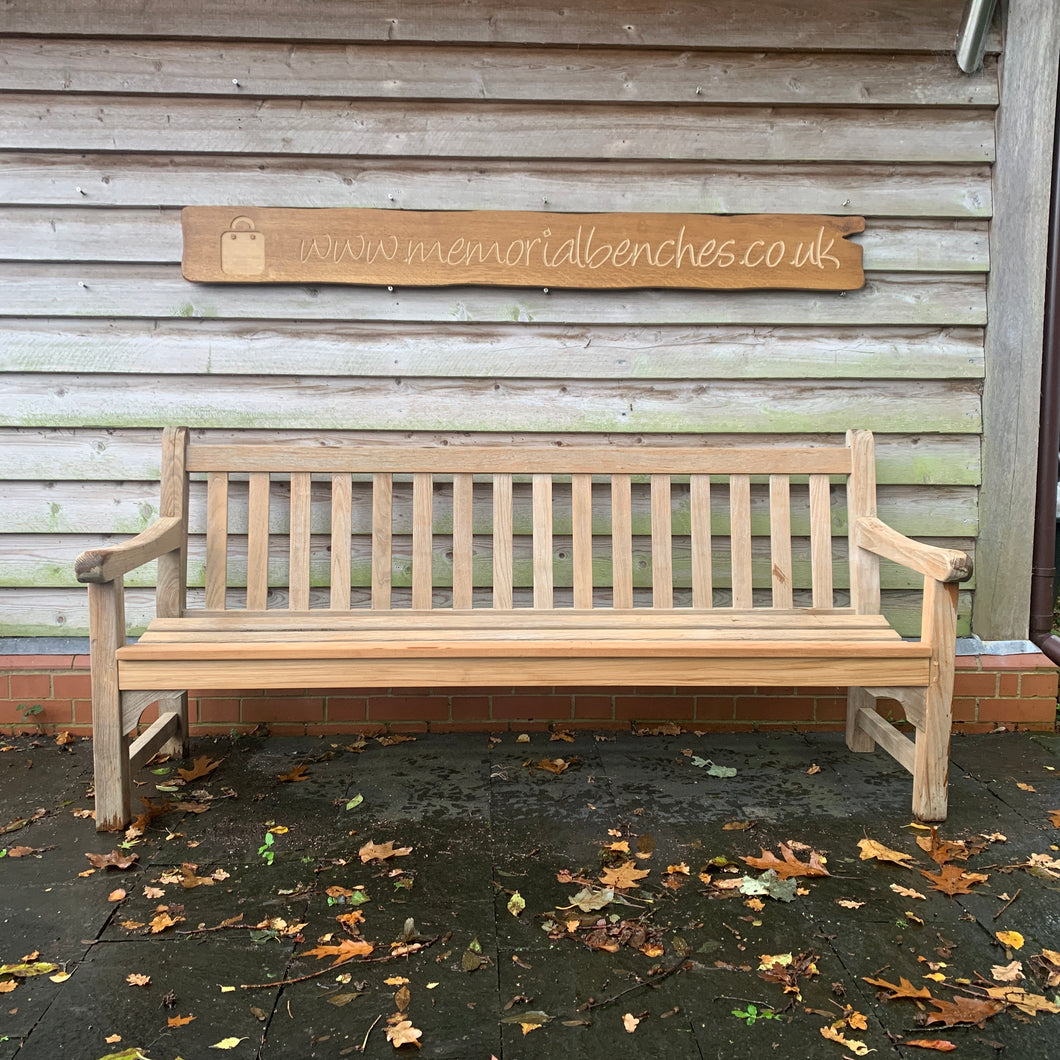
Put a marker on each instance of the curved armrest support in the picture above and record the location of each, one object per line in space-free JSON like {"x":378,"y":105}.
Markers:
{"x":106,"y":564}
{"x":942,"y":564}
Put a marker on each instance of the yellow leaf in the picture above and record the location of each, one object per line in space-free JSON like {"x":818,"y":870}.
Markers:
{"x":849,"y":903}
{"x":625,"y":875}
{"x":228,"y":1043}
{"x":870,"y":849}
{"x":396,"y":980}
{"x":833,"y":1035}
{"x":1012,"y":939}
{"x":1026,"y":787}
{"x":528,"y":1027}
{"x":907,"y":892}
{"x":937,"y":976}
{"x":136,"y":979}
{"x":60,"y":977}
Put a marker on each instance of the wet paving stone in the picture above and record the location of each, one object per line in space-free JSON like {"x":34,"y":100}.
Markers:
{"x":484,"y":824}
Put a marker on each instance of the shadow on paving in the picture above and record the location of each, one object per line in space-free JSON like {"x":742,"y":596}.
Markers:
{"x":246,"y":893}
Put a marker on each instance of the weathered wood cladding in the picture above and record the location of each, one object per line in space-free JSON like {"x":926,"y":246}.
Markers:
{"x":843,"y":108}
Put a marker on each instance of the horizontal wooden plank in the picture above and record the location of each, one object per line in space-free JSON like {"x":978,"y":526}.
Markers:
{"x":41,"y":612}
{"x":159,"y":180}
{"x":34,"y":122}
{"x":488,"y":405}
{"x":894,"y":25}
{"x":499,"y":351}
{"x":429,"y":71}
{"x":48,"y":454}
{"x":128,"y":507}
{"x":139,"y":291}
{"x":46,"y":560}
{"x":124,"y":235}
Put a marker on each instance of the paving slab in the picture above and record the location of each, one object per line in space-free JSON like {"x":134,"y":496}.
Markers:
{"x":670,"y":968}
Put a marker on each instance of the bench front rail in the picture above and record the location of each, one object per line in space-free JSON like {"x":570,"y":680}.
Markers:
{"x":392,"y":566}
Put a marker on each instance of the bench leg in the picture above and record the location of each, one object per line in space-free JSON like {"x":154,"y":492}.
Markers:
{"x":857,"y":738}
{"x":109,"y":750}
{"x":177,"y":745}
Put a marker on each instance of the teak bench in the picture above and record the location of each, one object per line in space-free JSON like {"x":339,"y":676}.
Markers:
{"x":391,"y":566}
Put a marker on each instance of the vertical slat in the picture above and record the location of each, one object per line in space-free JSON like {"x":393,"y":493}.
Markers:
{"x":216,"y":540}
{"x":543,"y":578}
{"x":702,"y":560}
{"x":502,"y":540}
{"x":422,"y":539}
{"x":582,"y":529}
{"x":258,"y":542}
{"x":820,"y":541}
{"x":780,"y":539}
{"x":662,"y":562}
{"x":298,"y":571}
{"x":740,"y":540}
{"x":172,"y":587}
{"x":861,"y":503}
{"x":621,"y":541}
{"x":341,"y":531}
{"x":382,"y":539}
{"x":463,"y":539}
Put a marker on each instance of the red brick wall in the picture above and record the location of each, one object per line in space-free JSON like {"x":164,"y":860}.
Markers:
{"x":1016,"y":691}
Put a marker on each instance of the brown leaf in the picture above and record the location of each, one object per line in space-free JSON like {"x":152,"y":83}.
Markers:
{"x":299,"y":772}
{"x":553,"y":765}
{"x":907,"y":892}
{"x":390,"y":739}
{"x":1031,"y":1004}
{"x":179,"y":1021}
{"x":952,"y":879}
{"x":136,"y":979}
{"x":372,"y":851}
{"x":938,"y":1044}
{"x":562,"y":734}
{"x":904,"y":989}
{"x":190,"y":880}
{"x":402,"y":998}
{"x":117,"y":895}
{"x":963,"y":1010}
{"x":737,"y":826}
{"x":790,"y":866}
{"x":625,"y":875}
{"x":201,"y":767}
{"x":1026,"y":787}
{"x":163,"y":920}
{"x":402,"y":1033}
{"x":7,"y":985}
{"x":23,"y":852}
{"x":344,"y":951}
{"x":114,"y":860}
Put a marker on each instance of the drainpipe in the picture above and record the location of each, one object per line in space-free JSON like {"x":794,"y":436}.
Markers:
{"x":1043,"y":561}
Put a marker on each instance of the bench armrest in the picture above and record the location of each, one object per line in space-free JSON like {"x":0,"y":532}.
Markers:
{"x":106,"y":564}
{"x":942,"y":564}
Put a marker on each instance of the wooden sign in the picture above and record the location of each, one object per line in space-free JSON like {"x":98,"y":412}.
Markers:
{"x":419,"y":248}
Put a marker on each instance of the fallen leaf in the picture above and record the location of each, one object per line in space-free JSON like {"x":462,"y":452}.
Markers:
{"x":27,"y":970}
{"x":154,"y":892}
{"x":1054,"y":816}
{"x":907,"y":892}
{"x":1026,"y":787}
{"x":813,"y":770}
{"x":403,"y":1033}
{"x":396,"y":980}
{"x":372,"y":851}
{"x":737,"y":826}
{"x":625,"y":875}
{"x":201,"y":767}
{"x":553,"y":765}
{"x":402,"y":998}
{"x":298,"y":772}
{"x":114,"y":860}
{"x":136,"y":979}
{"x":833,"y":1035}
{"x":630,"y":1022}
{"x":963,"y":1010}
{"x":938,"y":1044}
{"x":163,"y":920}
{"x":117,"y":895}
{"x":516,"y":904}
{"x":1012,"y":939}
{"x":63,"y":738}
{"x":59,"y":977}
{"x":590,"y":899}
{"x":1031,"y":1004}
{"x":111,"y":1039}
{"x":952,"y":880}
{"x":228,"y":1043}
{"x":344,"y":951}
{"x":189,"y":880}
{"x":712,"y":770}
{"x":7,"y":985}
{"x":904,"y":988}
{"x":392,"y":738}
{"x":790,"y":866}
{"x":849,"y":903}
{"x":870,"y":850}
{"x":179,"y":1021}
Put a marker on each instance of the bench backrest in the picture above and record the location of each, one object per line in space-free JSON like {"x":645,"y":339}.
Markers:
{"x":382,"y":526}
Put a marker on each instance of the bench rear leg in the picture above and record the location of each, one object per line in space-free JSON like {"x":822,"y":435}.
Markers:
{"x":110,"y":752}
{"x":857,"y":738}
{"x":177,"y":745}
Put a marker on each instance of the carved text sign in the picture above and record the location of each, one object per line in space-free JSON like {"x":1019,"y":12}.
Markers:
{"x":421,"y":248}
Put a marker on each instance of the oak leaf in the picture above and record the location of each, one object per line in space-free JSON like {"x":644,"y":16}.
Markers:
{"x":163,"y":920}
{"x":189,"y":880}
{"x":907,"y":892}
{"x":553,"y":765}
{"x":298,"y":772}
{"x":136,"y":979}
{"x":201,"y":767}
{"x":1007,"y":973}
{"x":790,"y":866}
{"x":625,"y":875}
{"x":904,"y":988}
{"x":344,"y":951}
{"x":1031,"y":1004}
{"x":833,"y":1035}
{"x":870,"y":850}
{"x":963,"y":1010}
{"x":952,"y":879}
{"x":372,"y":851}
{"x":114,"y":860}
{"x":179,"y":1021}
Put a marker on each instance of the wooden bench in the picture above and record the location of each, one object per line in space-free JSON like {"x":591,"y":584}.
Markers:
{"x":389,"y":566}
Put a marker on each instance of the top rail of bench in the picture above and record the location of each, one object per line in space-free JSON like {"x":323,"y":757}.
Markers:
{"x":603,"y":460}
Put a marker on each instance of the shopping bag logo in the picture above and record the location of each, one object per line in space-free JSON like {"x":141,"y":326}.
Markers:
{"x":242,"y":249}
